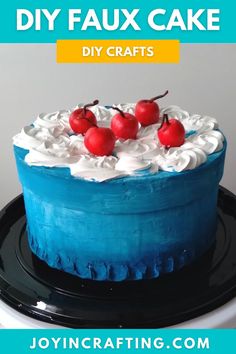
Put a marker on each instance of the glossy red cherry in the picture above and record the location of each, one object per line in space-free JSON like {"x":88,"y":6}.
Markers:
{"x":147,"y":112}
{"x":171,"y":132}
{"x":83,"y":119}
{"x":100,"y":141}
{"x":124,"y":125}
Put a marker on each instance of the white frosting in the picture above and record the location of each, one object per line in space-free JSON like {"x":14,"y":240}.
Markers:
{"x":51,"y":143}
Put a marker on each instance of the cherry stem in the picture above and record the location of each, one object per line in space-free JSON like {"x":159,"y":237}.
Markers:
{"x":95,"y":102}
{"x":160,"y":96}
{"x":165,"y":120}
{"x":119,"y":110}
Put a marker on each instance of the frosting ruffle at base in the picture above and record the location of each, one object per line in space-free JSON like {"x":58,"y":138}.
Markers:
{"x":163,"y":263}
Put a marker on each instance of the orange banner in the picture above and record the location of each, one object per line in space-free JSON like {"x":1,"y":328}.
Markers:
{"x":118,"y":51}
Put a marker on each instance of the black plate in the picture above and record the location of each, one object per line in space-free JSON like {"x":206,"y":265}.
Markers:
{"x":31,"y":287}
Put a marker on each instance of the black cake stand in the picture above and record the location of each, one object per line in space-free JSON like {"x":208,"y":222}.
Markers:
{"x":31,"y":287}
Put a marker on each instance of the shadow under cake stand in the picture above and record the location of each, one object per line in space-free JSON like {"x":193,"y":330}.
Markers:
{"x":30,"y":287}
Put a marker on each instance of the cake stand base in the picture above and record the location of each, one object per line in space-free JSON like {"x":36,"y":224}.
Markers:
{"x":222,"y":317}
{"x":29,"y":286}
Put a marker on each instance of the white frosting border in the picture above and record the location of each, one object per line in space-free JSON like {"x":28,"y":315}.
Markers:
{"x":51,"y":143}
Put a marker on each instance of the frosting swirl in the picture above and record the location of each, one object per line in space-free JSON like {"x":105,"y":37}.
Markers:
{"x":51,"y":143}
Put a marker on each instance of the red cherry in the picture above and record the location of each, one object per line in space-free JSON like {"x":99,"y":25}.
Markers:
{"x":100,"y":141}
{"x":171,"y":132}
{"x":83,"y":119}
{"x":124,"y":125}
{"x":147,"y":111}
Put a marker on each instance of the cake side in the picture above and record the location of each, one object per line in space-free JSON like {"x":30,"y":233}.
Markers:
{"x":123,"y":229}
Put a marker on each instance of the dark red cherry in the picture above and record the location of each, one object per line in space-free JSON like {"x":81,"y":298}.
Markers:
{"x":100,"y":141}
{"x":124,"y":125}
{"x":83,"y":119}
{"x":147,"y":112}
{"x":171,"y":132}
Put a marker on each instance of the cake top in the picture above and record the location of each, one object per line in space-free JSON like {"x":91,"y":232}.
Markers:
{"x":51,"y":142}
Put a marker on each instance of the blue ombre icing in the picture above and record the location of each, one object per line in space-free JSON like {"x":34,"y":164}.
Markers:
{"x":130,"y":228}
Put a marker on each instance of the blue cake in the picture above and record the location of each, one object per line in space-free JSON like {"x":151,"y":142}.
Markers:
{"x":137,"y":214}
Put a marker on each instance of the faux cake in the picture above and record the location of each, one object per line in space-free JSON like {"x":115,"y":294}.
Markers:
{"x":143,"y":209}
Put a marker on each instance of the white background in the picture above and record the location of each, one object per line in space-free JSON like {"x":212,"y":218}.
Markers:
{"x":31,"y":82}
